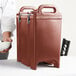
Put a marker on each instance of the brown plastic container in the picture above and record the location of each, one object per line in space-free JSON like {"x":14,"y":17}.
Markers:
{"x":39,"y":36}
{"x":24,"y":30}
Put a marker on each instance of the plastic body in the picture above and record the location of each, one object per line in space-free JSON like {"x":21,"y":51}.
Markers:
{"x":39,"y":40}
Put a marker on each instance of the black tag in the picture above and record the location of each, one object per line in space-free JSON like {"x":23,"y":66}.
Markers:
{"x":65,"y":47}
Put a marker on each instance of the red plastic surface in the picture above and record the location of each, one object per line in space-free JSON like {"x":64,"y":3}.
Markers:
{"x":39,"y":41}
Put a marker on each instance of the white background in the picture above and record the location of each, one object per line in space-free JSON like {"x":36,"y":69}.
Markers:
{"x":67,"y":64}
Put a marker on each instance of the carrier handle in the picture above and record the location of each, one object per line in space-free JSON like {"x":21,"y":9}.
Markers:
{"x":26,"y":7}
{"x":47,"y":6}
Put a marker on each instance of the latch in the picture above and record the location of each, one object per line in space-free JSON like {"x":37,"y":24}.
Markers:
{"x":19,"y":18}
{"x":28,"y":19}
